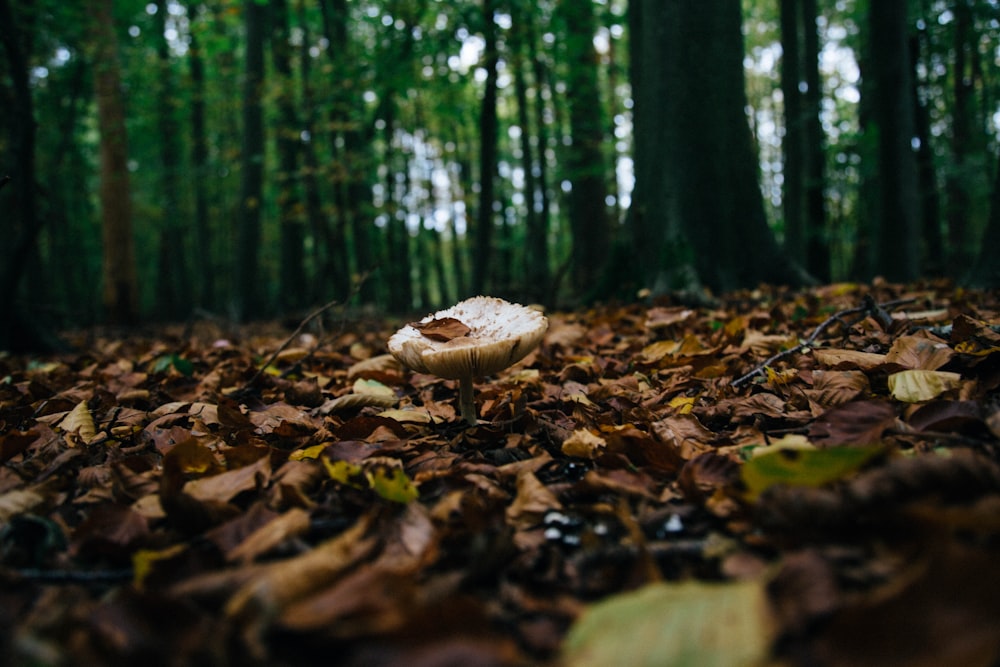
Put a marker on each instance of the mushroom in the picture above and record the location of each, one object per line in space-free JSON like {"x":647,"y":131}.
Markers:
{"x":476,"y":337}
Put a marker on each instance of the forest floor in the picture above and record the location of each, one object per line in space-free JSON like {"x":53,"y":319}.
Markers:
{"x":786,"y":478}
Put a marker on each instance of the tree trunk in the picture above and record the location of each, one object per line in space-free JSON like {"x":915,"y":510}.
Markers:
{"x":896,"y":243}
{"x":817,"y":234}
{"x":18,"y":214}
{"x":986,"y":272}
{"x":121,"y":296}
{"x":932,"y":255}
{"x":585,"y":163}
{"x":959,"y":176}
{"x":793,"y":143}
{"x":174,"y":289}
{"x":249,"y":293}
{"x":204,"y":260}
{"x":488,"y":128}
{"x":698,"y":177}
{"x":292,"y":290}
{"x":536,"y":250}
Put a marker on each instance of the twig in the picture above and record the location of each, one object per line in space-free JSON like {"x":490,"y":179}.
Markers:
{"x":288,"y":341}
{"x":877,"y":310}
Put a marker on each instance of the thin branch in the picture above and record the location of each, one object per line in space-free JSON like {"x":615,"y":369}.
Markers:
{"x":298,"y":330}
{"x":37,"y":575}
{"x":876,"y":310}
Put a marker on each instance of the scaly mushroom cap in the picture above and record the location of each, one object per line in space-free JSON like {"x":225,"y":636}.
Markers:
{"x":499,"y":334}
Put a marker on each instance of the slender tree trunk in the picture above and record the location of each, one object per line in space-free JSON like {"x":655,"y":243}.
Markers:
{"x":488,"y":129}
{"x":586,"y":166}
{"x":536,"y":251}
{"x":249,"y":292}
{"x":174,"y":290}
{"x":930,"y":206}
{"x":817,"y":234}
{"x":986,"y":272}
{"x":960,"y":176}
{"x":292,"y":274}
{"x":793,"y":143}
{"x":329,"y":248}
{"x":121,"y":295}
{"x":897,"y":250}
{"x":540,"y":196}
{"x":204,"y":258}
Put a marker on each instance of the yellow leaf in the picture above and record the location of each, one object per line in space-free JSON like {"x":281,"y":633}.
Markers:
{"x":683,"y":404}
{"x":143,"y":561}
{"x":392,"y":484}
{"x":79,"y":423}
{"x":343,"y":472}
{"x":914,"y":386}
{"x":307,"y":453}
{"x":583,"y":444}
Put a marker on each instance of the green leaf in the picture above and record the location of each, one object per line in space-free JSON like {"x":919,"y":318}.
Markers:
{"x":387,"y":481}
{"x":692,"y":624}
{"x":392,"y":484}
{"x":803,"y":467}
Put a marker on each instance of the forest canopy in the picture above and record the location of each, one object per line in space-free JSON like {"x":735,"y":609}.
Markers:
{"x":257,"y":157}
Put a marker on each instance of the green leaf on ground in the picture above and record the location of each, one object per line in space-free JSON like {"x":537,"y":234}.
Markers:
{"x":803,"y":467}
{"x":692,"y":624}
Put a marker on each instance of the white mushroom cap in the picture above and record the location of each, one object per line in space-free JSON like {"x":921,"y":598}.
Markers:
{"x":500,"y":334}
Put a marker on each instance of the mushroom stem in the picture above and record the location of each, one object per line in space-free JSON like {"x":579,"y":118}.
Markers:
{"x":466,"y":399}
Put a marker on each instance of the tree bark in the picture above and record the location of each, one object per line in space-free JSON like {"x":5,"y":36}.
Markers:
{"x":793,"y":143}
{"x":120,"y":290}
{"x":897,"y":234}
{"x":959,"y":178}
{"x":249,"y":293}
{"x":488,"y":129}
{"x":817,"y":261}
{"x":586,"y":165}
{"x":292,"y":274}
{"x":204,"y":259}
{"x":698,"y":177}
{"x":18,"y":206}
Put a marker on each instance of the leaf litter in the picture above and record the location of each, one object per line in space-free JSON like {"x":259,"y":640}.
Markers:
{"x":781,"y":478}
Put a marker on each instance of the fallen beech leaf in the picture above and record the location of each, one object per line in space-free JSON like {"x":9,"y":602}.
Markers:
{"x":78,"y":425}
{"x":532,"y":501}
{"x":914,"y":386}
{"x":919,"y":352}
{"x":583,"y":444}
{"x":862,"y":360}
{"x":293,"y":523}
{"x":442,"y":328}
{"x":691,"y":624}
{"x":854,"y":423}
{"x":22,"y":501}
{"x":803,"y":467}
{"x":227,"y":485}
{"x":373,"y":388}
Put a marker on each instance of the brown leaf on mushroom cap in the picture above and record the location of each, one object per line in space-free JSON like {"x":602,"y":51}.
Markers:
{"x":443,"y":328}
{"x":500,"y":334}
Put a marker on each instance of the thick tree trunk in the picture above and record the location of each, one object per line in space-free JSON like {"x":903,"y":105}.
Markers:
{"x":249,"y":291}
{"x":897,"y":240}
{"x":960,"y":177}
{"x":585,"y":163}
{"x":698,"y":176}
{"x":121,"y":296}
{"x":18,"y":214}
